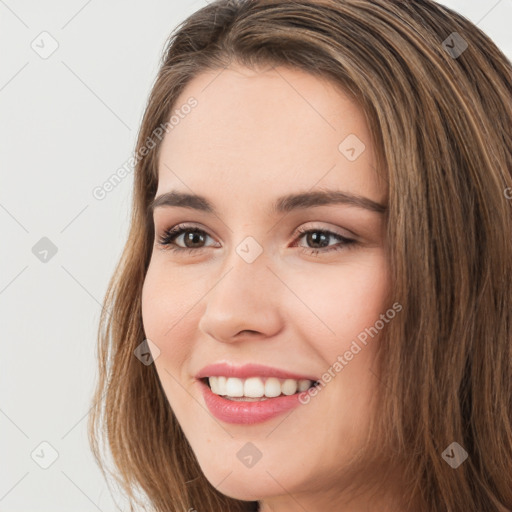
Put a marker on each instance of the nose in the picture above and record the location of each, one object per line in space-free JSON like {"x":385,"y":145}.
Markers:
{"x":245,"y":301}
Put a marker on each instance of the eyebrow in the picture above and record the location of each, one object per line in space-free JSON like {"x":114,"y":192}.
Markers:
{"x":283,"y":204}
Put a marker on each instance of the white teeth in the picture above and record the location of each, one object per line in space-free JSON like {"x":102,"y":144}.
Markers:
{"x":272,"y":387}
{"x":234,"y":387}
{"x":289,"y":387}
{"x":254,"y":387}
{"x":303,"y":385}
{"x":257,"y":387}
{"x":221,"y":385}
{"x":214,"y":385}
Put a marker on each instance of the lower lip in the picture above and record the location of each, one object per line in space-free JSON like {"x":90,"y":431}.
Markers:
{"x":247,"y":413}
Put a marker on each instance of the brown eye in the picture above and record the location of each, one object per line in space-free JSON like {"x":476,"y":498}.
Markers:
{"x":193,"y":238}
{"x":318,"y":240}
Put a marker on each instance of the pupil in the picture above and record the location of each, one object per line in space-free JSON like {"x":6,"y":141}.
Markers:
{"x":192,"y":238}
{"x":312,"y":237}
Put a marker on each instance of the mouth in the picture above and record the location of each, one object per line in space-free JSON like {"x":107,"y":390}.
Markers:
{"x":255,"y":389}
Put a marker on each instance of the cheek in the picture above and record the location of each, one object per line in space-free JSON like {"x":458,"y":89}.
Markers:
{"x":153,"y":297}
{"x":364,"y":299}
{"x":350,"y":299}
{"x":166,"y":314}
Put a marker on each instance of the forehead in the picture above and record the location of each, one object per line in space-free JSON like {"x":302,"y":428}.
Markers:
{"x":275,"y":128}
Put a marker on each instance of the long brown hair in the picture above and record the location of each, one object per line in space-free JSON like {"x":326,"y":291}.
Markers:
{"x":437,"y":96}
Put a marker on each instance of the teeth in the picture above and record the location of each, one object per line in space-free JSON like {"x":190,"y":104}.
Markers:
{"x":257,"y":387}
{"x":272,"y":387}
{"x":253,"y":387}
{"x":304,"y":385}
{"x":289,"y":387}
{"x":234,"y":387}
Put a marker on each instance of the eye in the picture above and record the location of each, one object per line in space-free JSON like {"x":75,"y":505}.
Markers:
{"x":194,"y":237}
{"x":318,"y":236}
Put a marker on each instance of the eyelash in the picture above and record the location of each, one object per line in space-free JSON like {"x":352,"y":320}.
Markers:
{"x":166,"y":240}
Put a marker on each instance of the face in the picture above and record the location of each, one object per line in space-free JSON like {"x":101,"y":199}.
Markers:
{"x":275,"y":294}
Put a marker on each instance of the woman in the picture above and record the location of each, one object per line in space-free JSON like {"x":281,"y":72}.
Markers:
{"x":313,"y":307}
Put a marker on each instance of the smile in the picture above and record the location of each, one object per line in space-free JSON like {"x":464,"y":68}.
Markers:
{"x":254,"y":388}
{"x":251,"y":393}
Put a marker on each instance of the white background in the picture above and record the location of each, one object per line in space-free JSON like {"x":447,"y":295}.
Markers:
{"x":67,"y":123}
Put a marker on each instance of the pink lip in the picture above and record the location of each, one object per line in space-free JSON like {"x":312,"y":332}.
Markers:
{"x":249,"y":370}
{"x":247,"y":413}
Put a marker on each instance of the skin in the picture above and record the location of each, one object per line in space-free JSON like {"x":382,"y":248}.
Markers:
{"x":254,"y":136}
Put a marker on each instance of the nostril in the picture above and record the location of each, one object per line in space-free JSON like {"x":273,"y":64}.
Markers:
{"x":248,"y":331}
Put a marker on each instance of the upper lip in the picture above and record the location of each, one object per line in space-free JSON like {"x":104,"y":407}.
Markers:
{"x":248,"y":370}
